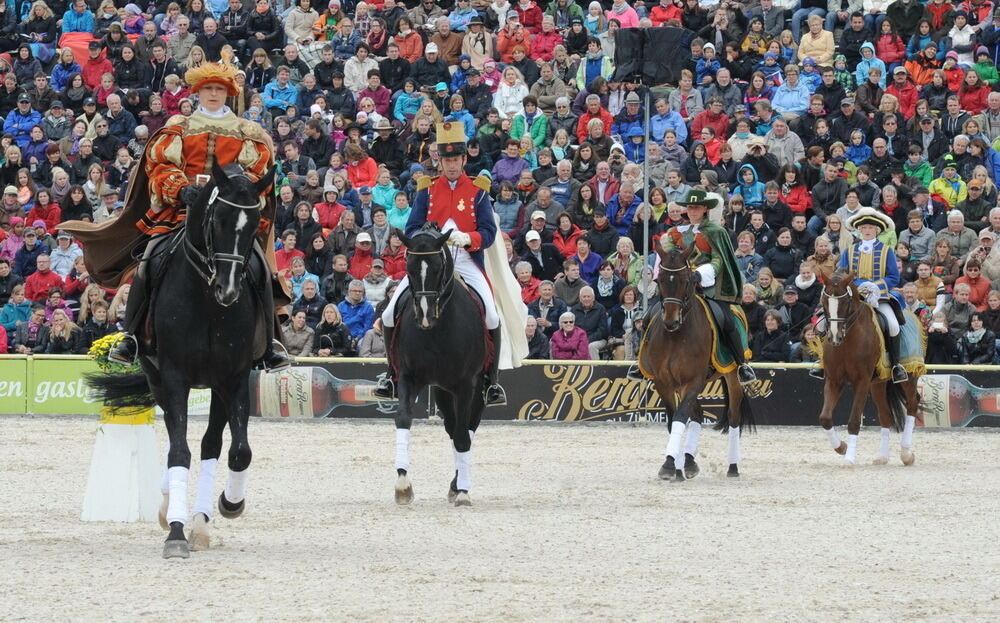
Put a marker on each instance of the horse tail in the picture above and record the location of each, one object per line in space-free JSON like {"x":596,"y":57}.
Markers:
{"x":747,"y":421}
{"x":895,"y":394}
{"x":121,"y":390}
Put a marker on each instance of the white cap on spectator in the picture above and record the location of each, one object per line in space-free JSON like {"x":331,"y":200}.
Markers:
{"x":363,"y":237}
{"x":534,"y":215}
{"x":532,"y":235}
{"x":431,"y":48}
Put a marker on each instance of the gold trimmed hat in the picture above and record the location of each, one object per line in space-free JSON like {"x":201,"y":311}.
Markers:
{"x":450,"y":138}
{"x":870,"y":216}
{"x":213,"y":73}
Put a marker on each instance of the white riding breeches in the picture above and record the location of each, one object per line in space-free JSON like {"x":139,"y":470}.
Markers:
{"x":890,"y":318}
{"x":473,"y":277}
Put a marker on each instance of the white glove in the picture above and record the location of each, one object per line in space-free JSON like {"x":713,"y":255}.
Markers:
{"x":707,"y":272}
{"x":459,"y":239}
{"x":871,"y":293}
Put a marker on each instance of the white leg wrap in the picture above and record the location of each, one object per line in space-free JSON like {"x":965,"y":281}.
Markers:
{"x":834,"y":437}
{"x":205,"y":500}
{"x":165,"y":479}
{"x":907,"y":441}
{"x":455,"y":453}
{"x":236,"y":486}
{"x":852,"y":448}
{"x":464,"y":466}
{"x":177,"y":509}
{"x":680,"y":460}
{"x":403,"y":448}
{"x":883,"y":448}
{"x":674,"y":443}
{"x":694,"y":434}
{"x":734,"y":445}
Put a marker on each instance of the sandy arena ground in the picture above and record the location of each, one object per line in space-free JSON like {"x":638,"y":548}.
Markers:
{"x":569,"y":523}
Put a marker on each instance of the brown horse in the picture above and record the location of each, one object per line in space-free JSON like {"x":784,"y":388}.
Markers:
{"x":676,"y":353}
{"x":851,"y":352}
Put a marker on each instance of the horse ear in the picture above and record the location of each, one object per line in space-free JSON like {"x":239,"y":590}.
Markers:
{"x":443,"y":240}
{"x":660,"y":253}
{"x":265,"y":182}
{"x":218,"y":174}
{"x":403,"y":238}
{"x":687,"y":252}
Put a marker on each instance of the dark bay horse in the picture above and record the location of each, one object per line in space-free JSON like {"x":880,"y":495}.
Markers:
{"x":851,"y":352}
{"x":207,"y":335}
{"x":440,"y":340}
{"x":677,"y":353}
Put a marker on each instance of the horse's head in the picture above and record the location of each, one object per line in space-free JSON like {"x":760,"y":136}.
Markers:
{"x":430,"y":269}
{"x":676,"y":285}
{"x":231,"y":206}
{"x":840,"y":302}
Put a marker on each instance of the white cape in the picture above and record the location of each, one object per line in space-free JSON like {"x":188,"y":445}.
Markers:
{"x":512,"y":310}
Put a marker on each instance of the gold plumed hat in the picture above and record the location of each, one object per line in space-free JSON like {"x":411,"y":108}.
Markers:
{"x":450,"y":138}
{"x":210,"y":73}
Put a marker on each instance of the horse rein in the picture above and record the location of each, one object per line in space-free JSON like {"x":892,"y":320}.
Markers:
{"x":210,"y":257}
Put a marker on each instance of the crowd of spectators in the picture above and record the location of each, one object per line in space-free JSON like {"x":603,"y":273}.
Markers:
{"x":794,"y":114}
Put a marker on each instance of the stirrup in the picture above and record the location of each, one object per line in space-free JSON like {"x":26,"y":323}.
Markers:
{"x":634,"y":373}
{"x":745,"y":374}
{"x":272,"y":359}
{"x":817,"y":373}
{"x":495,"y":396}
{"x":385,"y":387}
{"x":899,"y":374}
{"x":126,"y":351}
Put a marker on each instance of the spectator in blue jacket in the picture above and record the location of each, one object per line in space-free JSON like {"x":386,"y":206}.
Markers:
{"x":357,"y":313}
{"x":20,"y":121}
{"x":665,"y":119}
{"x":345,"y":43}
{"x":621,"y":208}
{"x":78,"y":19}
{"x":630,"y":117}
{"x":280,"y":93}
{"x":791,"y":99}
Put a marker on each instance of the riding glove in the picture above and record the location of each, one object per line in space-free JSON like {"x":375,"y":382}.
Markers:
{"x":459,"y":239}
{"x":189,"y":194}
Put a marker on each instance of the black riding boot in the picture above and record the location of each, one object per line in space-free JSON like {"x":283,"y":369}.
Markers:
{"x":386,"y":385}
{"x":127,"y":349}
{"x":271,"y":359}
{"x":898,"y":372}
{"x":744,"y":372}
{"x":495,"y":394}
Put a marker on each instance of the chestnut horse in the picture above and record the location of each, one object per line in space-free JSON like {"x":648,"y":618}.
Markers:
{"x":851,"y":352}
{"x":676,"y":353}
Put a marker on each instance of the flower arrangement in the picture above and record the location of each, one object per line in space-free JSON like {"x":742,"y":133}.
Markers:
{"x":99,"y":352}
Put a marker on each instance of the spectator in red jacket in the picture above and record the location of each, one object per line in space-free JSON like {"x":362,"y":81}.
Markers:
{"x":593,"y":111}
{"x":394,"y":256}
{"x":96,"y":66}
{"x":283,"y":257}
{"x":974,"y":92}
{"x":545,"y":42}
{"x":570,"y":341}
{"x":529,"y":15}
{"x":361,"y":260}
{"x":904,"y":90}
{"x":38,"y":284}
{"x":665,"y":11}
{"x":528,"y":282}
{"x":712,"y":117}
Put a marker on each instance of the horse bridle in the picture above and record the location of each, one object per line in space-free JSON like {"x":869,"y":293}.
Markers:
{"x":205,"y":264}
{"x":684,"y":303}
{"x":443,"y":293}
{"x":850,"y":318}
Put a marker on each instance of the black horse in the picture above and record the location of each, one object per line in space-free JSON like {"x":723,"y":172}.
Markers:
{"x":207,"y":335}
{"x":441,"y":340}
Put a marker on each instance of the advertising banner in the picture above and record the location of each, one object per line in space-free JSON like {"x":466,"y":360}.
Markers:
{"x":543,"y":391}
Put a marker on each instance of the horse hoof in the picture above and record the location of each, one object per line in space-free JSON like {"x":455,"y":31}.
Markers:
{"x":462,"y":499}
{"x":453,"y":490}
{"x":907,"y":455}
{"x":404,"y":491}
{"x":734,"y":471}
{"x":678,"y":476}
{"x":230,"y":510}
{"x":176,"y":549}
{"x":667,"y":469}
{"x":850,"y":462}
{"x":691,"y":468}
{"x":842,"y":450}
{"x":163,"y":512}
{"x":200,"y":539}
{"x":880,"y":460}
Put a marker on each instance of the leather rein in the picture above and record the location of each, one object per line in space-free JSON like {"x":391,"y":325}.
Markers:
{"x":851,"y":317}
{"x":442,"y":295}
